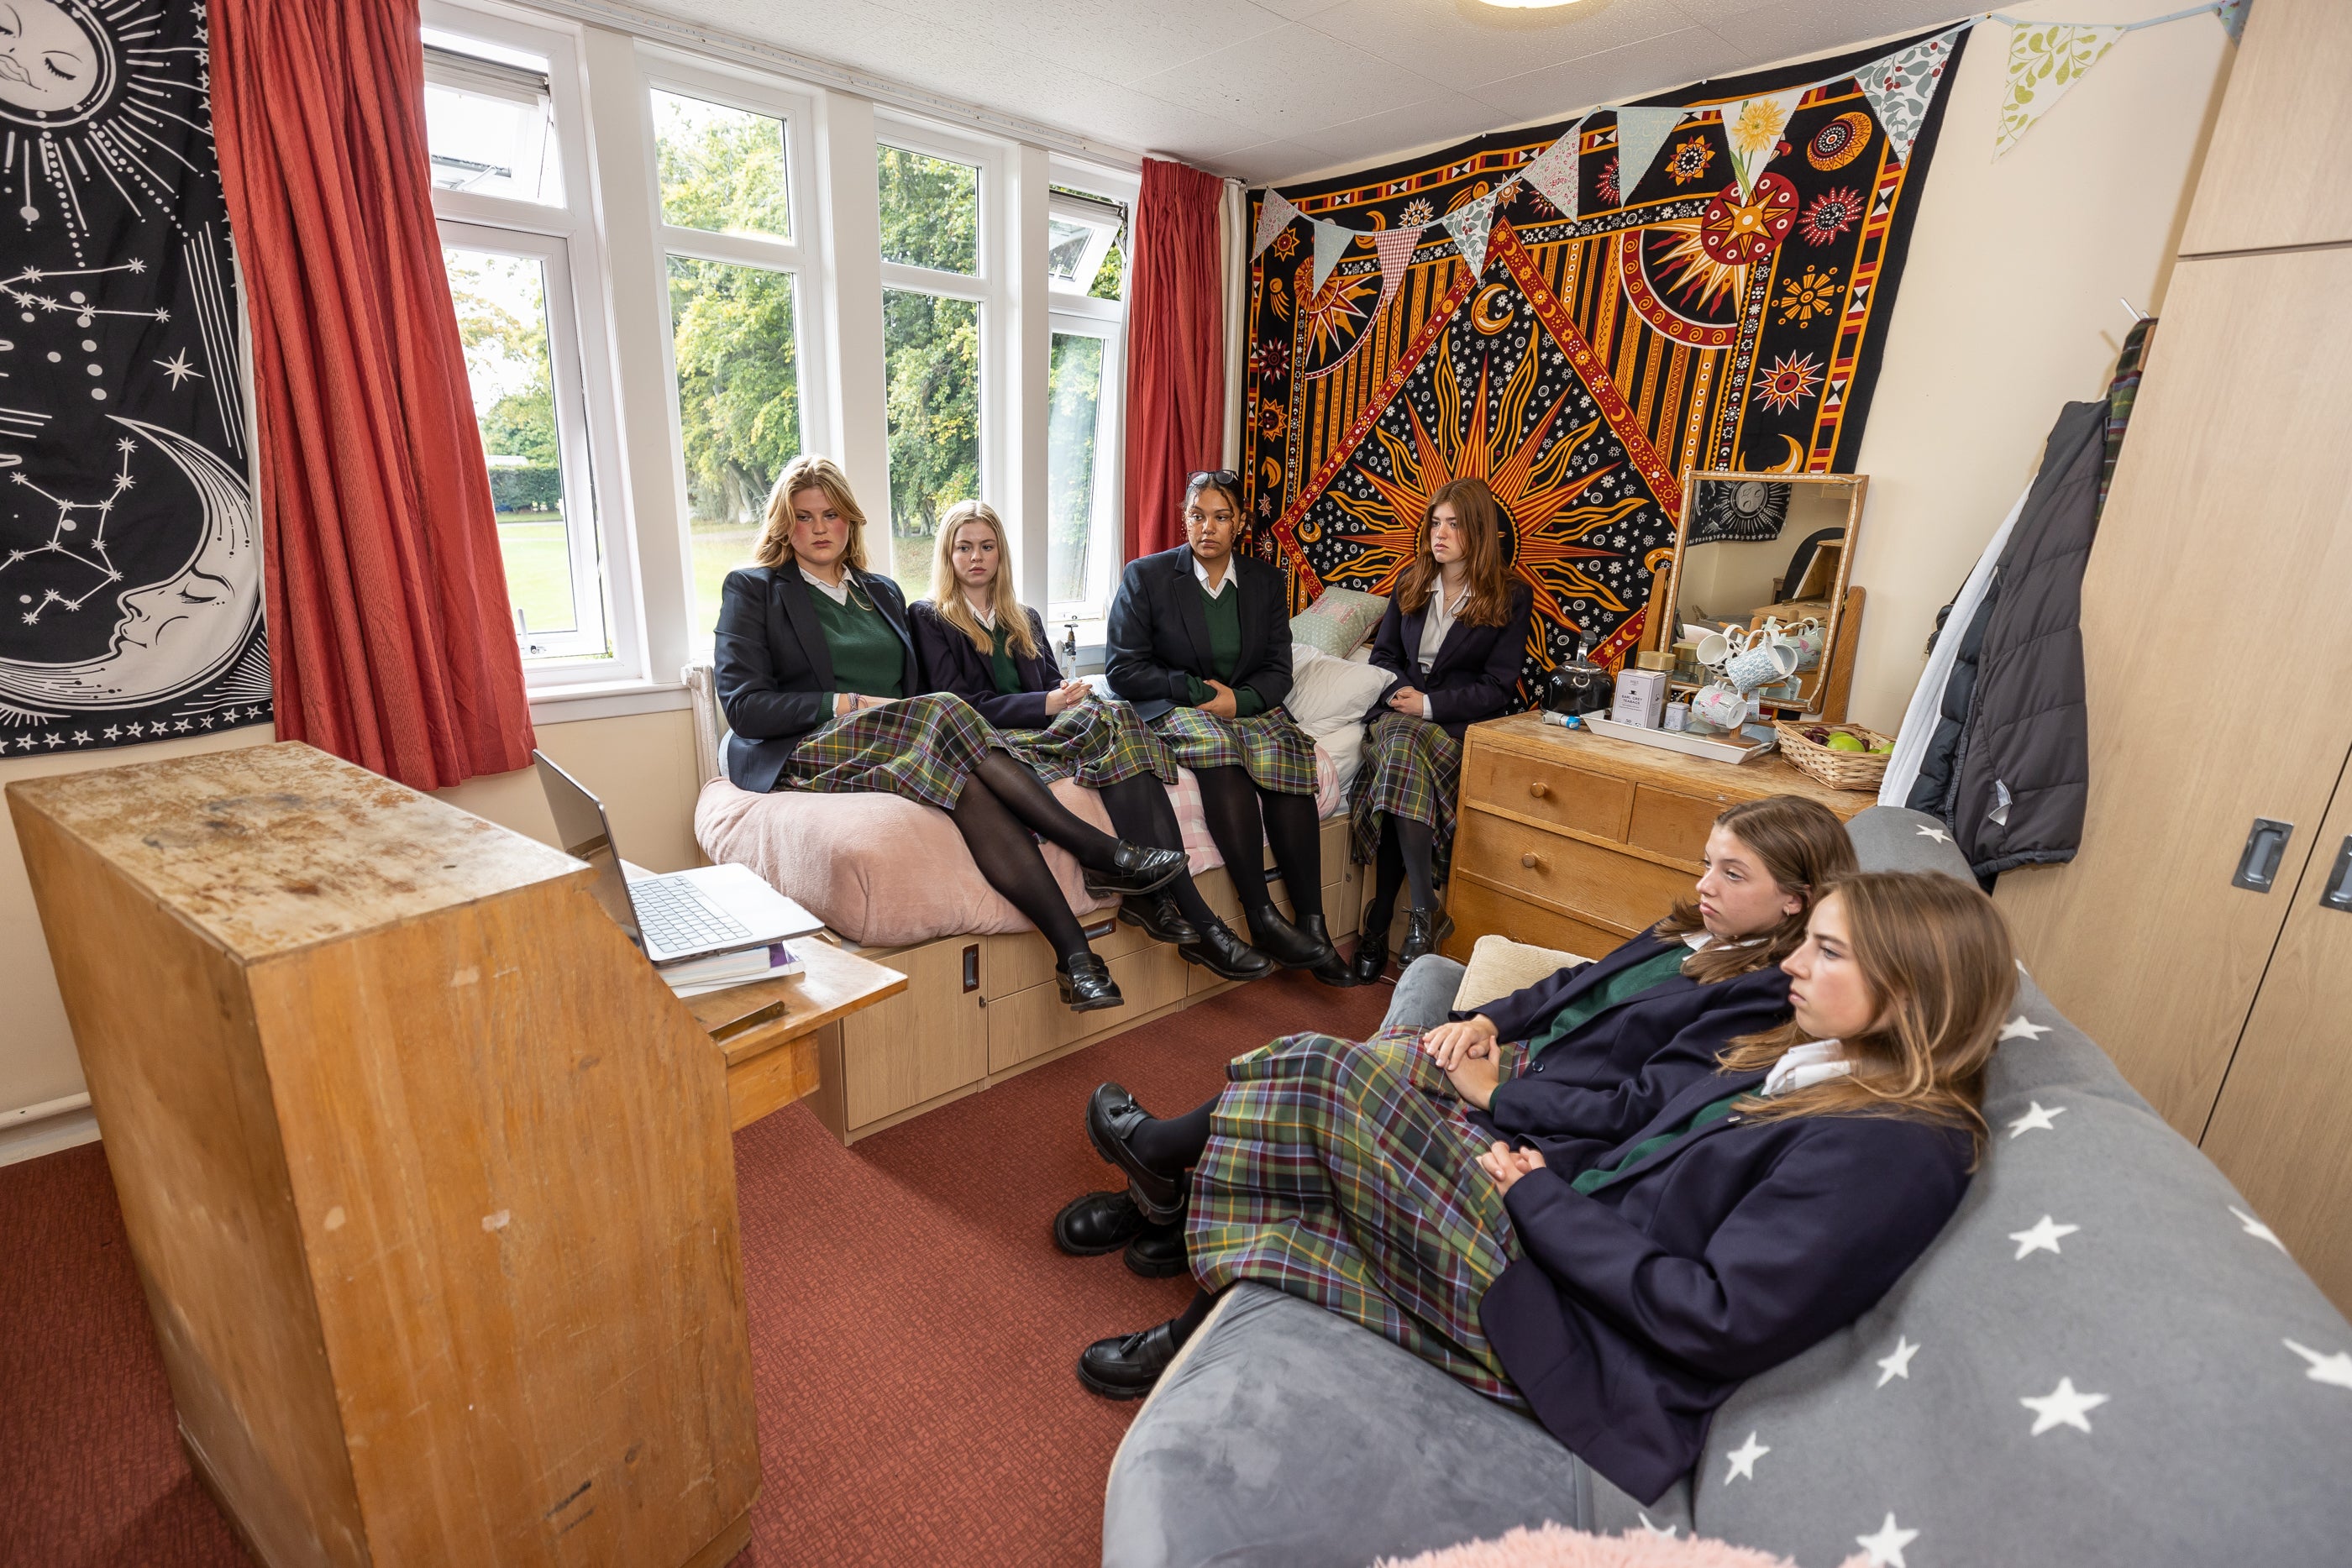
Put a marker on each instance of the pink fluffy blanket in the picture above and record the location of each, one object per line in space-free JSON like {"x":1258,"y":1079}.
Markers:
{"x":1557,"y":1546}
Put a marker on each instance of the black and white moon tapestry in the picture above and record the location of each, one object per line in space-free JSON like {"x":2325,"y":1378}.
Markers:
{"x":130,"y":583}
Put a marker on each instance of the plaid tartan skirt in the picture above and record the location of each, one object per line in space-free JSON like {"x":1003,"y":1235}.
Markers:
{"x":1348,"y":1175}
{"x":1277,"y":753}
{"x":1099,"y":742}
{"x":1412,"y":768}
{"x":919,"y":748}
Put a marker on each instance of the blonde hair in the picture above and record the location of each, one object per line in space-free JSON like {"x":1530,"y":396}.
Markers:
{"x":1936,"y":958}
{"x":946,"y":588}
{"x":774,"y":547}
{"x":1803,"y":848}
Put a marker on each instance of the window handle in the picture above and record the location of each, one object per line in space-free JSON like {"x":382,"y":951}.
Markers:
{"x":2258,"y":864}
{"x":2338,"y":893}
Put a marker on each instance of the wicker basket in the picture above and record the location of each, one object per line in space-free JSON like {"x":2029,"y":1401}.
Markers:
{"x":1838,"y":769}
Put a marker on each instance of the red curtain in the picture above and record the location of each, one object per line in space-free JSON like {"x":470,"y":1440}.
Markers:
{"x":391,"y":642}
{"x":1176,"y":351}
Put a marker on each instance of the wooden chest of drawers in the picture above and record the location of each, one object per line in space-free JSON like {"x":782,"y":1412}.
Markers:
{"x":1566,"y":840}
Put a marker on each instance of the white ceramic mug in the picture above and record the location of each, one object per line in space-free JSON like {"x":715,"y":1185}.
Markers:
{"x":1720,"y":706}
{"x":1762,"y":662}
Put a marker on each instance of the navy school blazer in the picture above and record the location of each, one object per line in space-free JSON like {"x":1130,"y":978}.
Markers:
{"x":1157,"y":635}
{"x":951,"y":664}
{"x":774,"y":670}
{"x":1637,"y":1309}
{"x":1586,"y":1094}
{"x":1475,"y":675}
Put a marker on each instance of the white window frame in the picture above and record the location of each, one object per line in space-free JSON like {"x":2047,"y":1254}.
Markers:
{"x":1072,"y":311}
{"x":801,"y":256}
{"x":608,"y":644}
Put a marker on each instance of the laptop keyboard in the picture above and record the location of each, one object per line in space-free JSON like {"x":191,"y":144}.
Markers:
{"x":677,"y":919}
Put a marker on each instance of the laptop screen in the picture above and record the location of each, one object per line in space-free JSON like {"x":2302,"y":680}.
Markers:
{"x":582,"y":830}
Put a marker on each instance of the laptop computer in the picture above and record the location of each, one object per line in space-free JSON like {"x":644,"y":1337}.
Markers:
{"x":683,"y":915}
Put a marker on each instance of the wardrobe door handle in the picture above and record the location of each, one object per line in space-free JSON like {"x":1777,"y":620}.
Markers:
{"x":2338,"y":893}
{"x":2258,"y":864}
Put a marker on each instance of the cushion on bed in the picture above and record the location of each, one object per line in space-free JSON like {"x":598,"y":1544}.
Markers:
{"x":1324,"y":691}
{"x":1339,"y":620}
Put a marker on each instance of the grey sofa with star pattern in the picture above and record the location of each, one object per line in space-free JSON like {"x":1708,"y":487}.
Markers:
{"x":2105,"y":1359}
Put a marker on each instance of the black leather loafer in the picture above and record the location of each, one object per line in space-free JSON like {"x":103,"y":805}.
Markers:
{"x":1158,"y":1253}
{"x":1224,"y":954}
{"x":1161,"y":921}
{"x":1330,"y":969}
{"x":1099,"y":1222}
{"x":1136,"y":868}
{"x":1372,"y":960}
{"x":1424,"y":930}
{"x":1126,"y":1366}
{"x":1111,"y":1114}
{"x":1284,"y":943}
{"x":1086,"y":984}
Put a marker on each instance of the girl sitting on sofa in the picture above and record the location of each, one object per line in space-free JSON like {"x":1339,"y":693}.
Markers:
{"x":978,"y":642}
{"x":1454,"y":637}
{"x":1581,"y":1059}
{"x":818,"y":677}
{"x":1621,"y":1296}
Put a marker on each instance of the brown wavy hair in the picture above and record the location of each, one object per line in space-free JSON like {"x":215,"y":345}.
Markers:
{"x":1937,"y":957}
{"x":774,"y":547}
{"x":946,"y":588}
{"x":1803,"y":847}
{"x":1481,"y":520}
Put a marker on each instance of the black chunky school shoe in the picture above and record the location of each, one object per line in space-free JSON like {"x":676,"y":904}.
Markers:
{"x":1111,"y":1114}
{"x":1098,"y":1223}
{"x":1330,"y":969}
{"x":1371,"y":959}
{"x":1158,"y":1251}
{"x":1127,"y":1366}
{"x":1224,"y":954}
{"x":1284,"y":943}
{"x":1161,"y":921}
{"x":1136,"y":868}
{"x":1424,"y":930}
{"x":1086,"y":984}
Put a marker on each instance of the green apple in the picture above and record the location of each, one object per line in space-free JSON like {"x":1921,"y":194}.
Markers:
{"x":1844,"y":740}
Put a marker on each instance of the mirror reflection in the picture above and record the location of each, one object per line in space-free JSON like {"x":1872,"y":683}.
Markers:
{"x":1758,"y":549}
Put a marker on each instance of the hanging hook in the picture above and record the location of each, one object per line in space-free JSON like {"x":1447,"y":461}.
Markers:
{"x":2136,"y":313}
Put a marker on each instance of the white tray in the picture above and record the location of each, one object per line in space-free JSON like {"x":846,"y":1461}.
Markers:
{"x":1714,"y":749}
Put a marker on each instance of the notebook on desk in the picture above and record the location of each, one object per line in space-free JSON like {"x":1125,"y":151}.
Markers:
{"x":680,"y":915}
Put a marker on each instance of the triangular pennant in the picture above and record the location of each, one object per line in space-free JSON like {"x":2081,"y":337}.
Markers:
{"x":1753,"y":126}
{"x":1273,"y":215}
{"x":1900,"y":87}
{"x":2046,"y":61}
{"x":1469,"y":224}
{"x":1640,"y":134}
{"x":1395,"y":249}
{"x":1330,"y":239}
{"x":2233,"y":17}
{"x":1554,"y":172}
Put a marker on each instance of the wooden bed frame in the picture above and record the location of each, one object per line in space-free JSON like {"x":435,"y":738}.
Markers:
{"x":979,"y":1009}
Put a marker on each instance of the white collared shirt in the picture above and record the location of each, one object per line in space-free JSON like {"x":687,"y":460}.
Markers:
{"x":985,"y":617}
{"x":1213,"y":589}
{"x":1802,"y":1066}
{"x":1436,"y":621}
{"x":836,"y":592}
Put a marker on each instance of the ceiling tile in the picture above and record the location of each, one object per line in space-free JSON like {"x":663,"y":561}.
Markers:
{"x":1554,"y":93}
{"x":1449,"y":117}
{"x":1288,"y":81}
{"x":1436,"y":39}
{"x":1139,"y":41}
{"x":1791,"y":29}
{"x":1270,"y":163}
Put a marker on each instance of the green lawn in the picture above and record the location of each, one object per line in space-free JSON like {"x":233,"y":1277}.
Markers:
{"x":539,"y":573}
{"x":718,"y":550}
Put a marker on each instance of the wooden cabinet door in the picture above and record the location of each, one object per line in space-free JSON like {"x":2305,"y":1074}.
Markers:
{"x":2281,"y":1129}
{"x":2224,"y":563}
{"x":929,"y":1039}
{"x":2273,"y":172}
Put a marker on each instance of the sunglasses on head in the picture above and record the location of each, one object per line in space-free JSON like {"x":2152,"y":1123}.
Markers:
{"x":1224,"y":479}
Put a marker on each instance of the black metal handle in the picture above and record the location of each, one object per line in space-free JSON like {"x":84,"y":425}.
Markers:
{"x":2265,"y":847}
{"x":1097,"y":933}
{"x":2338,"y":893}
{"x":972,"y":967}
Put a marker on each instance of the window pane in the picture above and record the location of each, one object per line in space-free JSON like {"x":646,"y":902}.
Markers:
{"x":722,"y":168}
{"x":1065,"y":248}
{"x":738,"y":408}
{"x":930,"y":212}
{"x":491,"y":128}
{"x":1112,"y":275}
{"x":932,"y":348}
{"x":502,"y":320}
{"x":1073,"y":405}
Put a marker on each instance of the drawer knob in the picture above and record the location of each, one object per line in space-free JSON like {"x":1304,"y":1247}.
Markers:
{"x":1532,"y":861}
{"x":1539,"y":788}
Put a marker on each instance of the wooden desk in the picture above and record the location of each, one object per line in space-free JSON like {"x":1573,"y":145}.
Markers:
{"x":774,"y":1061}
{"x":1569,"y":840}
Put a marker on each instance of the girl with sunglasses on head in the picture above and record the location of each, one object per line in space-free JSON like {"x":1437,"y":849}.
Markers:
{"x":818,"y":676}
{"x":1199,"y":640}
{"x":978,"y":642}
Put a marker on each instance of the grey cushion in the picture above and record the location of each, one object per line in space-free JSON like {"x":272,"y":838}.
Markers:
{"x":2214,"y":1439}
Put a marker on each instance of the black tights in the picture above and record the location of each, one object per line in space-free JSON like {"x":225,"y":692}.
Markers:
{"x":1408,"y":854}
{"x":1139,"y":810}
{"x":1243,"y":817}
{"x":1002,"y":804}
{"x":1172,"y":1144}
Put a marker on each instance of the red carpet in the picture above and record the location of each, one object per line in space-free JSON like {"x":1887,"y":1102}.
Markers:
{"x":912,"y":1327}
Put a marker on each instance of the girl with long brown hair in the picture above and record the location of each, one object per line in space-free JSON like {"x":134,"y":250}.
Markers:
{"x":1621,"y":1291}
{"x":1453,"y":640}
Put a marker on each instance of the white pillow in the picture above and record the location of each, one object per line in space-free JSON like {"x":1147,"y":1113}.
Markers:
{"x":1326,"y":691}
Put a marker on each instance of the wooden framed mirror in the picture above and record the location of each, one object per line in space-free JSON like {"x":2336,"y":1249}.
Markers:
{"x":1753,"y":547}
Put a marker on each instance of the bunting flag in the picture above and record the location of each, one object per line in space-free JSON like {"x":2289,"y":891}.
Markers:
{"x":1469,"y":224}
{"x":2046,"y":61}
{"x":2233,"y":17}
{"x":1554,"y":172}
{"x":1753,"y":125}
{"x":1331,"y":240}
{"x":1395,"y":247}
{"x":1640,"y":134}
{"x":1273,"y":217}
{"x":1899,"y":87}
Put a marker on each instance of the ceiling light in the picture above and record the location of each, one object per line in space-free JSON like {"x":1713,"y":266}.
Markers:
{"x":1526,"y":4}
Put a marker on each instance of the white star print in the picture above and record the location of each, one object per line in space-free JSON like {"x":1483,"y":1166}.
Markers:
{"x":2023,"y":1028}
{"x":2043,"y":1238}
{"x":1665,"y":1534}
{"x":1743,"y":1459}
{"x":2062,"y":1406}
{"x":179,"y":370}
{"x":1886,"y":1548}
{"x":2035,"y":1119}
{"x":1941,"y":837}
{"x":1899,"y":1364}
{"x":2335,"y":1369}
{"x":2253,"y":1226}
